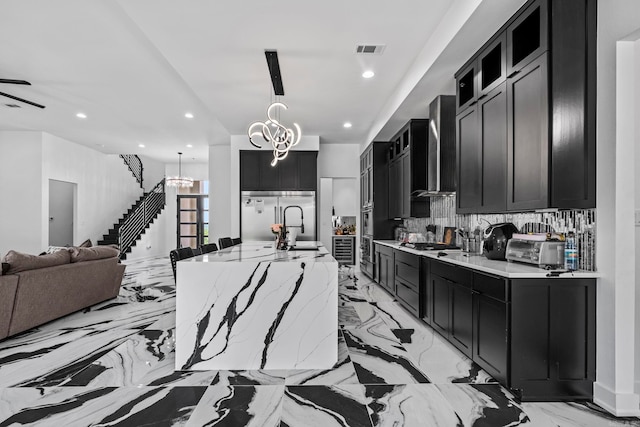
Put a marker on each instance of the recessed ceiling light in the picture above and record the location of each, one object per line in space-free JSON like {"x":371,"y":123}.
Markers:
{"x":347,"y":125}
{"x":188,"y":115}
{"x":81,"y":115}
{"x":368,"y":74}
{"x":189,"y":146}
{"x":141,"y":145}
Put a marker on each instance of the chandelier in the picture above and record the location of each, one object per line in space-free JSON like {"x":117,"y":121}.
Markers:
{"x":179,"y":181}
{"x":281,"y":138}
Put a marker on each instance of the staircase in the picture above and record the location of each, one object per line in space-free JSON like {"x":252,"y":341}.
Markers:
{"x":134,"y":164}
{"x":136,"y":220}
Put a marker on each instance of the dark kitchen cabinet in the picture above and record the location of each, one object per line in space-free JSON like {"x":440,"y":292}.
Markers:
{"x":527,"y":36}
{"x":550,"y":111}
{"x":374,"y":203}
{"x":426,"y":291}
{"x":407,"y":280}
{"x":307,"y":170}
{"x":408,"y":170}
{"x":535,"y":336}
{"x":490,"y":333}
{"x":461,"y":320}
{"x":385,"y":267}
{"x":297,"y":172}
{"x":552,"y":338}
{"x":482,"y":154}
{"x":528,"y":138}
{"x":573,"y":146}
{"x":469,"y":152}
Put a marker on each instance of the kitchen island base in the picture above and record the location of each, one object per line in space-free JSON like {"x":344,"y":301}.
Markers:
{"x":254,"y":307}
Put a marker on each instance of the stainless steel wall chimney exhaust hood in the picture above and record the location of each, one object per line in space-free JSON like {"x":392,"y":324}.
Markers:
{"x":441,"y":156}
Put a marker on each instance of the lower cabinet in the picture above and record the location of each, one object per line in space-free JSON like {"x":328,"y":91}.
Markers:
{"x":385,"y":267}
{"x":407,"y":280}
{"x":535,"y":336}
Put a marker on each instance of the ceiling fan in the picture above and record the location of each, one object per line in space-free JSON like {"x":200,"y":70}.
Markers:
{"x":18,"y":82}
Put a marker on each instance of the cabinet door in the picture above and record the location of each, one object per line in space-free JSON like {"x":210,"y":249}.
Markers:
{"x":307,"y":170}
{"x":461,"y":321}
{"x":249,"y":170}
{"x":405,"y":194}
{"x":426,"y":292}
{"x":492,"y":118}
{"x":288,"y":172}
{"x":466,"y":87}
{"x":528,"y":138}
{"x":384,"y":270}
{"x":370,"y":186}
{"x":394,"y":187}
{"x":469,"y":153}
{"x":269,"y":175}
{"x":440,"y":308}
{"x":407,"y":297}
{"x":527,"y":36}
{"x":492,"y":66}
{"x":490,"y":335}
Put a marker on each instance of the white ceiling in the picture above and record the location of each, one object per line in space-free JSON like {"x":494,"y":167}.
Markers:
{"x":136,"y":66}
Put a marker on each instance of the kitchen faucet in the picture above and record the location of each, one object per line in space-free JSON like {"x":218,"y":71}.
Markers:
{"x":284,"y":220}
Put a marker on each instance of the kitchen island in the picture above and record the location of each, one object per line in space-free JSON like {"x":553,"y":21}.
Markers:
{"x":251,"y":306}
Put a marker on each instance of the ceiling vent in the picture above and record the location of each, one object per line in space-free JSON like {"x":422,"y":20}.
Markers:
{"x":375,"y":49}
{"x":12,"y":105}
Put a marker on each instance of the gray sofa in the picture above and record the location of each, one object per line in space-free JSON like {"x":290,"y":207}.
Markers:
{"x":33,"y":297}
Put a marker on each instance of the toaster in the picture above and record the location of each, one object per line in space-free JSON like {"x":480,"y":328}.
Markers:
{"x":544,"y":254}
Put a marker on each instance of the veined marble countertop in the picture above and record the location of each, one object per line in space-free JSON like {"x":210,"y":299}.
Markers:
{"x":265,"y":251}
{"x":254,"y":307}
{"x":511,"y":270}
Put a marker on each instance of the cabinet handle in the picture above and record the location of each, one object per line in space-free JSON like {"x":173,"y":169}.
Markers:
{"x":513,"y":74}
{"x":482,"y":97}
{"x":473,"y":103}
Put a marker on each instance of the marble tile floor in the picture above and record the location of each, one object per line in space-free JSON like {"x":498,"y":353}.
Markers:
{"x":113,"y":364}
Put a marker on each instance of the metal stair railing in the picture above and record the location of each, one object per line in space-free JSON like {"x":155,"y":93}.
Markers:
{"x":139,"y":219}
{"x":134,"y":164}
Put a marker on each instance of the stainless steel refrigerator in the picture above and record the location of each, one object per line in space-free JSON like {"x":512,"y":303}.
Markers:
{"x":260,"y":209}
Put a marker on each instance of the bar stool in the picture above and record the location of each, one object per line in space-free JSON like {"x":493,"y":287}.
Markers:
{"x":177,"y":255}
{"x":236,"y":241}
{"x":225,"y":242}
{"x":209,"y":247}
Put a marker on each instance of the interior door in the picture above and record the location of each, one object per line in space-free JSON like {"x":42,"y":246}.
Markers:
{"x":61,"y":200}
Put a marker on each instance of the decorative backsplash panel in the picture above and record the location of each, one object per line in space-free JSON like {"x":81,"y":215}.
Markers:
{"x":581,"y":222}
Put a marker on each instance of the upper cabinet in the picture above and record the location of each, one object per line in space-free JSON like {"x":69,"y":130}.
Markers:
{"x":374,"y":191}
{"x":297,"y":172}
{"x":527,"y":36}
{"x":511,"y":155}
{"x":408,"y":171}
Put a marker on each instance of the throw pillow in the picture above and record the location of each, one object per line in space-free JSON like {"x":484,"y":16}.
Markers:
{"x":22,"y":262}
{"x":86,"y":244}
{"x":93,"y":253}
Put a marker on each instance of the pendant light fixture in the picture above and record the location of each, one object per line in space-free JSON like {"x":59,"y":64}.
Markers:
{"x":272,"y":131}
{"x":179,"y":181}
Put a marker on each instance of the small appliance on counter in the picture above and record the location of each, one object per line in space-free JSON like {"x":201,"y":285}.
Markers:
{"x":536,"y":249}
{"x":495,"y":240}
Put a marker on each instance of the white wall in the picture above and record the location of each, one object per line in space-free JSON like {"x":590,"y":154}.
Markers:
{"x":152,"y":172}
{"x":106,"y":187}
{"x":20,"y":186}
{"x":344,"y":197}
{"x":614,"y":388}
{"x":154,"y":241}
{"x":220,"y":212}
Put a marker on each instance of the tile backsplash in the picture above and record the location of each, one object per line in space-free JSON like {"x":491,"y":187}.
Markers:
{"x":581,"y":222}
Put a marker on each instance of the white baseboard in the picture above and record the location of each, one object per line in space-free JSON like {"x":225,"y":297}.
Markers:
{"x":619,"y":404}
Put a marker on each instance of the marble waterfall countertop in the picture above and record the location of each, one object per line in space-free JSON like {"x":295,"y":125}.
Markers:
{"x":511,"y":270}
{"x":254,"y":307}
